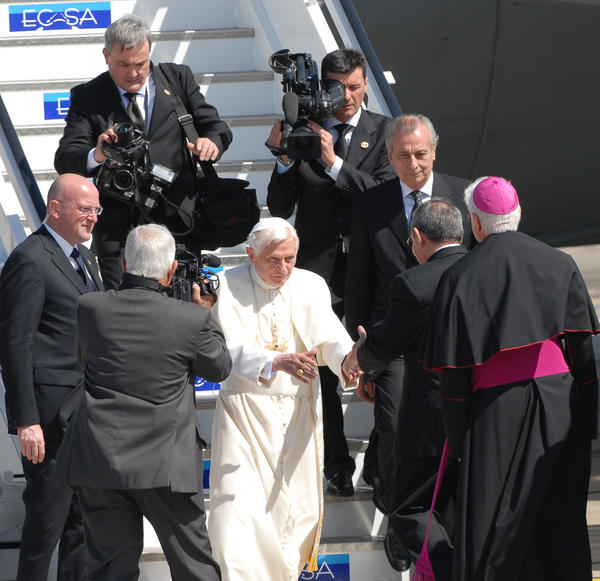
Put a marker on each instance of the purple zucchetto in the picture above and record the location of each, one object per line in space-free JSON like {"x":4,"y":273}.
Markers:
{"x":495,"y":196}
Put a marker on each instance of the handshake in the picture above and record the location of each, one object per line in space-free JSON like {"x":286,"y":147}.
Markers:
{"x":304,"y":367}
{"x":353,"y":372}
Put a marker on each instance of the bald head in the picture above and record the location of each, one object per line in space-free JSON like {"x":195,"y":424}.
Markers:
{"x":72,"y":208}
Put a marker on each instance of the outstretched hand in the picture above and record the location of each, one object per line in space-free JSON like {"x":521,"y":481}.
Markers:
{"x":350,"y":365}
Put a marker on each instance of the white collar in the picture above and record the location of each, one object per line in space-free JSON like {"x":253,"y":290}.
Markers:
{"x":427,"y":188}
{"x":64,"y":245}
{"x":333,"y":121}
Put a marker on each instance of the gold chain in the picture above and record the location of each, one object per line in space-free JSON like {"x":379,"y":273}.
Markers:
{"x":275,"y":344}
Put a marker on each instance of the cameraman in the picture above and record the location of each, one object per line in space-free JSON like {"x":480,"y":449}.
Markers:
{"x":321,"y":192}
{"x":131,"y":91}
{"x":135,"y":448}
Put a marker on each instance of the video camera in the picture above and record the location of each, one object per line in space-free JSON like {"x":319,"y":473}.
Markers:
{"x":193,"y":269}
{"x":128,"y":175}
{"x":302,"y":100}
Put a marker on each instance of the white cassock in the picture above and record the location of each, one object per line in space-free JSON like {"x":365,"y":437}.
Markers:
{"x":266,"y":491}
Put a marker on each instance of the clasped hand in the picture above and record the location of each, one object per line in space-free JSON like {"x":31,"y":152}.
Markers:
{"x":303,"y":366}
{"x":350,"y":365}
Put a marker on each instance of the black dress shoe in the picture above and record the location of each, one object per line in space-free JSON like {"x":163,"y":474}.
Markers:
{"x":340,"y":484}
{"x":395,"y":552}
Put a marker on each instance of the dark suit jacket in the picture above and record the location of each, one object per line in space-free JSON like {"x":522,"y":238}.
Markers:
{"x":137,"y":425}
{"x":323,"y":206}
{"x":379,"y":249}
{"x":402,"y":332}
{"x":97,"y":105}
{"x":39,"y":289}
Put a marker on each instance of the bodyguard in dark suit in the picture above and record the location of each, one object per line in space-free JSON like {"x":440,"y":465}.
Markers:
{"x":437,"y":232}
{"x":100,"y":103}
{"x":379,"y":251}
{"x":39,"y":287}
{"x":321,"y":192}
{"x":134,"y":446}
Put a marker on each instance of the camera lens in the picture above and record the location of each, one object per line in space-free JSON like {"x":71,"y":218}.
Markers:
{"x":123,"y":180}
{"x":125,"y":133}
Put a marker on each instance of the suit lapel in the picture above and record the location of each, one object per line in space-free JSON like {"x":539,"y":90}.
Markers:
{"x":110,"y":94}
{"x":162,"y":104}
{"x":441,"y":189}
{"x":363,"y":139}
{"x":62,"y":263}
{"x":92,"y":268}
{"x":394,"y":206}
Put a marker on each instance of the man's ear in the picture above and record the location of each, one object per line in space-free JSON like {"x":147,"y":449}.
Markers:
{"x":106,"y":55}
{"x":476,"y":227}
{"x":250,"y":254}
{"x":418,"y":237}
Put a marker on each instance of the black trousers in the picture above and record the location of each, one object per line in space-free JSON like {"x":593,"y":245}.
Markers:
{"x":52,"y":514}
{"x":415,"y":480}
{"x":113,"y":526}
{"x":378,"y":467}
{"x":336,"y":455}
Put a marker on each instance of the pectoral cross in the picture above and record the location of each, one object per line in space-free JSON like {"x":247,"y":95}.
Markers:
{"x":275,"y":345}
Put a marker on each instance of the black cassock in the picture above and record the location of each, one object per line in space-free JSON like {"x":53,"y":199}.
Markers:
{"x":524,"y":441}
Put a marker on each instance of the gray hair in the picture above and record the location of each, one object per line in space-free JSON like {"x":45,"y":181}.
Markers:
{"x":439,"y":220}
{"x":408,"y":122}
{"x":129,"y":31}
{"x":492,"y":223}
{"x":270,"y":230}
{"x":149,"y":251}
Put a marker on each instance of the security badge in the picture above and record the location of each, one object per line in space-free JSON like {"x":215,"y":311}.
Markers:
{"x":364,"y":144}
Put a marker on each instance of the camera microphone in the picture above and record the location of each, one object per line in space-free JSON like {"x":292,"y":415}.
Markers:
{"x":211,"y":260}
{"x":290,"y":107}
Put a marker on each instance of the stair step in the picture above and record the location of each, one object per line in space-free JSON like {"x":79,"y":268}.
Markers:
{"x":354,"y":445}
{"x":78,"y":39}
{"x":352,"y":558}
{"x":206,"y":400}
{"x":54,"y":128}
{"x":200,"y":78}
{"x":226,"y":50}
{"x":41,"y":102}
{"x":223,"y":167}
{"x":335,"y":544}
{"x":40,"y":142}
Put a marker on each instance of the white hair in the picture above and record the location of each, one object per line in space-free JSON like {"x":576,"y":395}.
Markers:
{"x":270,"y":230}
{"x":149,"y":251}
{"x":492,"y":223}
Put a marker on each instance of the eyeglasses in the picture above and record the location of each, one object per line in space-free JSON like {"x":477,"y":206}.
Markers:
{"x":409,"y":241}
{"x":87,"y":210}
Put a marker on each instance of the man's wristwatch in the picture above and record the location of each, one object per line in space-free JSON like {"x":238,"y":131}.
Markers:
{"x":285,"y":163}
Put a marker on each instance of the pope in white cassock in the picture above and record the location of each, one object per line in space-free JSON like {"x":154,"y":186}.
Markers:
{"x":266,"y":493}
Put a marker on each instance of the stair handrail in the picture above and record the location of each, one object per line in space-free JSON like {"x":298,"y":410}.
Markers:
{"x":19,"y":171}
{"x":367,"y":49}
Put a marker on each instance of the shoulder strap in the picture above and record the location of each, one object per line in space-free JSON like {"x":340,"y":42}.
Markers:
{"x":187,"y":123}
{"x":184,"y":118}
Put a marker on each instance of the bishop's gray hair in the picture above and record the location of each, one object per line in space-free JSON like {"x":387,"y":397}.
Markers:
{"x":492,"y":223}
{"x":149,"y":251}
{"x":128,"y":32}
{"x":270,"y":230}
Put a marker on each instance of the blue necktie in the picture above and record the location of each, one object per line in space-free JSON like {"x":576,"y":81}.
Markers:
{"x":87,"y":281}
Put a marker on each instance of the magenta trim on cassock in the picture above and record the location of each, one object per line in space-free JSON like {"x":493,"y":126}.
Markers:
{"x":538,"y":360}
